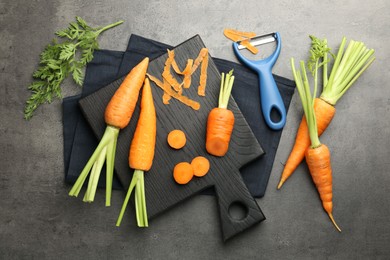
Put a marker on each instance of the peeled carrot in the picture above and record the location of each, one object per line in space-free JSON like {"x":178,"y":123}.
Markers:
{"x":117,"y":116}
{"x":183,"y":173}
{"x":318,"y":161}
{"x":346,"y":70}
{"x":220,"y":121}
{"x":317,"y":155}
{"x":121,"y":106}
{"x":200,"y":165}
{"x":176,"y":139}
{"x":141,"y":155}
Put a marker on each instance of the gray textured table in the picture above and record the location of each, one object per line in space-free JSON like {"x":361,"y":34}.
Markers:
{"x":39,"y":221}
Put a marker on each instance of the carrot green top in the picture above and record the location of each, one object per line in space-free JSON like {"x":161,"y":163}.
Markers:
{"x":347,"y":68}
{"x":307,"y":99}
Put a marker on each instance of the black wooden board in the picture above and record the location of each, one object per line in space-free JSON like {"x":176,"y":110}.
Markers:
{"x":162,"y":193}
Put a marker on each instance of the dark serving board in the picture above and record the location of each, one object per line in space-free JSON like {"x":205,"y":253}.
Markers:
{"x":161,"y":190}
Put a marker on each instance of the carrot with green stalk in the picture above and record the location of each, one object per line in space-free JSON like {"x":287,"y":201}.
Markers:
{"x":141,"y":155}
{"x":317,"y":154}
{"x":220,"y":121}
{"x":117,"y":116}
{"x":347,"y":68}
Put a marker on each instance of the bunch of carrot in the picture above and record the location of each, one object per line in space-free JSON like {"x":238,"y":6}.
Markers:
{"x":117,"y":116}
{"x":317,"y":155}
{"x":318,"y":112}
{"x":349,"y":64}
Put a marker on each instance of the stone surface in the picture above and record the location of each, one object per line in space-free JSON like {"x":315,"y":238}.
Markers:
{"x":39,"y":221}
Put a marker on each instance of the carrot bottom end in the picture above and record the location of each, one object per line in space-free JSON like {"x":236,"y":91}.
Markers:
{"x":217,"y":146}
{"x":281,"y":182}
{"x":334,"y":222}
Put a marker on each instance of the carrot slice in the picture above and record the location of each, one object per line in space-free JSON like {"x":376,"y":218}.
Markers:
{"x":176,"y":139}
{"x":201,"y":166}
{"x":183,"y":173}
{"x":185,"y":100}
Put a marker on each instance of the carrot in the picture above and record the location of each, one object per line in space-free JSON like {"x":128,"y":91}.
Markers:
{"x":346,"y":70}
{"x":220,"y":121}
{"x":324,"y":113}
{"x":200,"y":165}
{"x":176,"y":139}
{"x":141,"y":155}
{"x":117,"y":116}
{"x":183,"y":173}
{"x":317,"y":155}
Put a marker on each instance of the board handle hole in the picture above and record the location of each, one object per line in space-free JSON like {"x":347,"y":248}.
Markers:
{"x":238,"y":210}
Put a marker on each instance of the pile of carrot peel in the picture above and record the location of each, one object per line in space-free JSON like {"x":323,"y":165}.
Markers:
{"x":242,"y":37}
{"x":173,"y":88}
{"x":348,"y":65}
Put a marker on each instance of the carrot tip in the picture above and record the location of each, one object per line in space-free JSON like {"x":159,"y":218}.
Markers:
{"x":280,"y":184}
{"x":334,"y":222}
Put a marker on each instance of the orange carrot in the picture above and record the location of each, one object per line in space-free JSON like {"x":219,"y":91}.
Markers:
{"x":317,"y":155}
{"x":141,"y":155}
{"x":183,"y":173}
{"x":176,"y":139}
{"x":200,"y":165}
{"x":117,"y":116}
{"x":346,"y":70}
{"x":318,"y":161}
{"x":220,"y":121}
{"x":220,"y":124}
{"x":324,"y":113}
{"x":121,"y":106}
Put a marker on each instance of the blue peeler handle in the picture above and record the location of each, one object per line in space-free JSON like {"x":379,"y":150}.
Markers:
{"x":269,"y":93}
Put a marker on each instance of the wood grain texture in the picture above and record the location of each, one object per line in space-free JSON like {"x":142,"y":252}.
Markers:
{"x":162,"y":192}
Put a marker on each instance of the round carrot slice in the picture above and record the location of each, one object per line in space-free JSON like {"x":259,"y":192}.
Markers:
{"x":201,"y":166}
{"x":183,"y":173}
{"x":176,"y":139}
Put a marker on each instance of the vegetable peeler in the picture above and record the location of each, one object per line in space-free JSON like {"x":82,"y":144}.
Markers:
{"x":269,"y":94}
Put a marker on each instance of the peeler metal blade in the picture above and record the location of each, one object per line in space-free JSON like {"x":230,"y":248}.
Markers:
{"x":258,"y":40}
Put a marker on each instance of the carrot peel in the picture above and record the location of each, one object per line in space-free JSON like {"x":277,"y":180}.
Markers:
{"x":104,"y":151}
